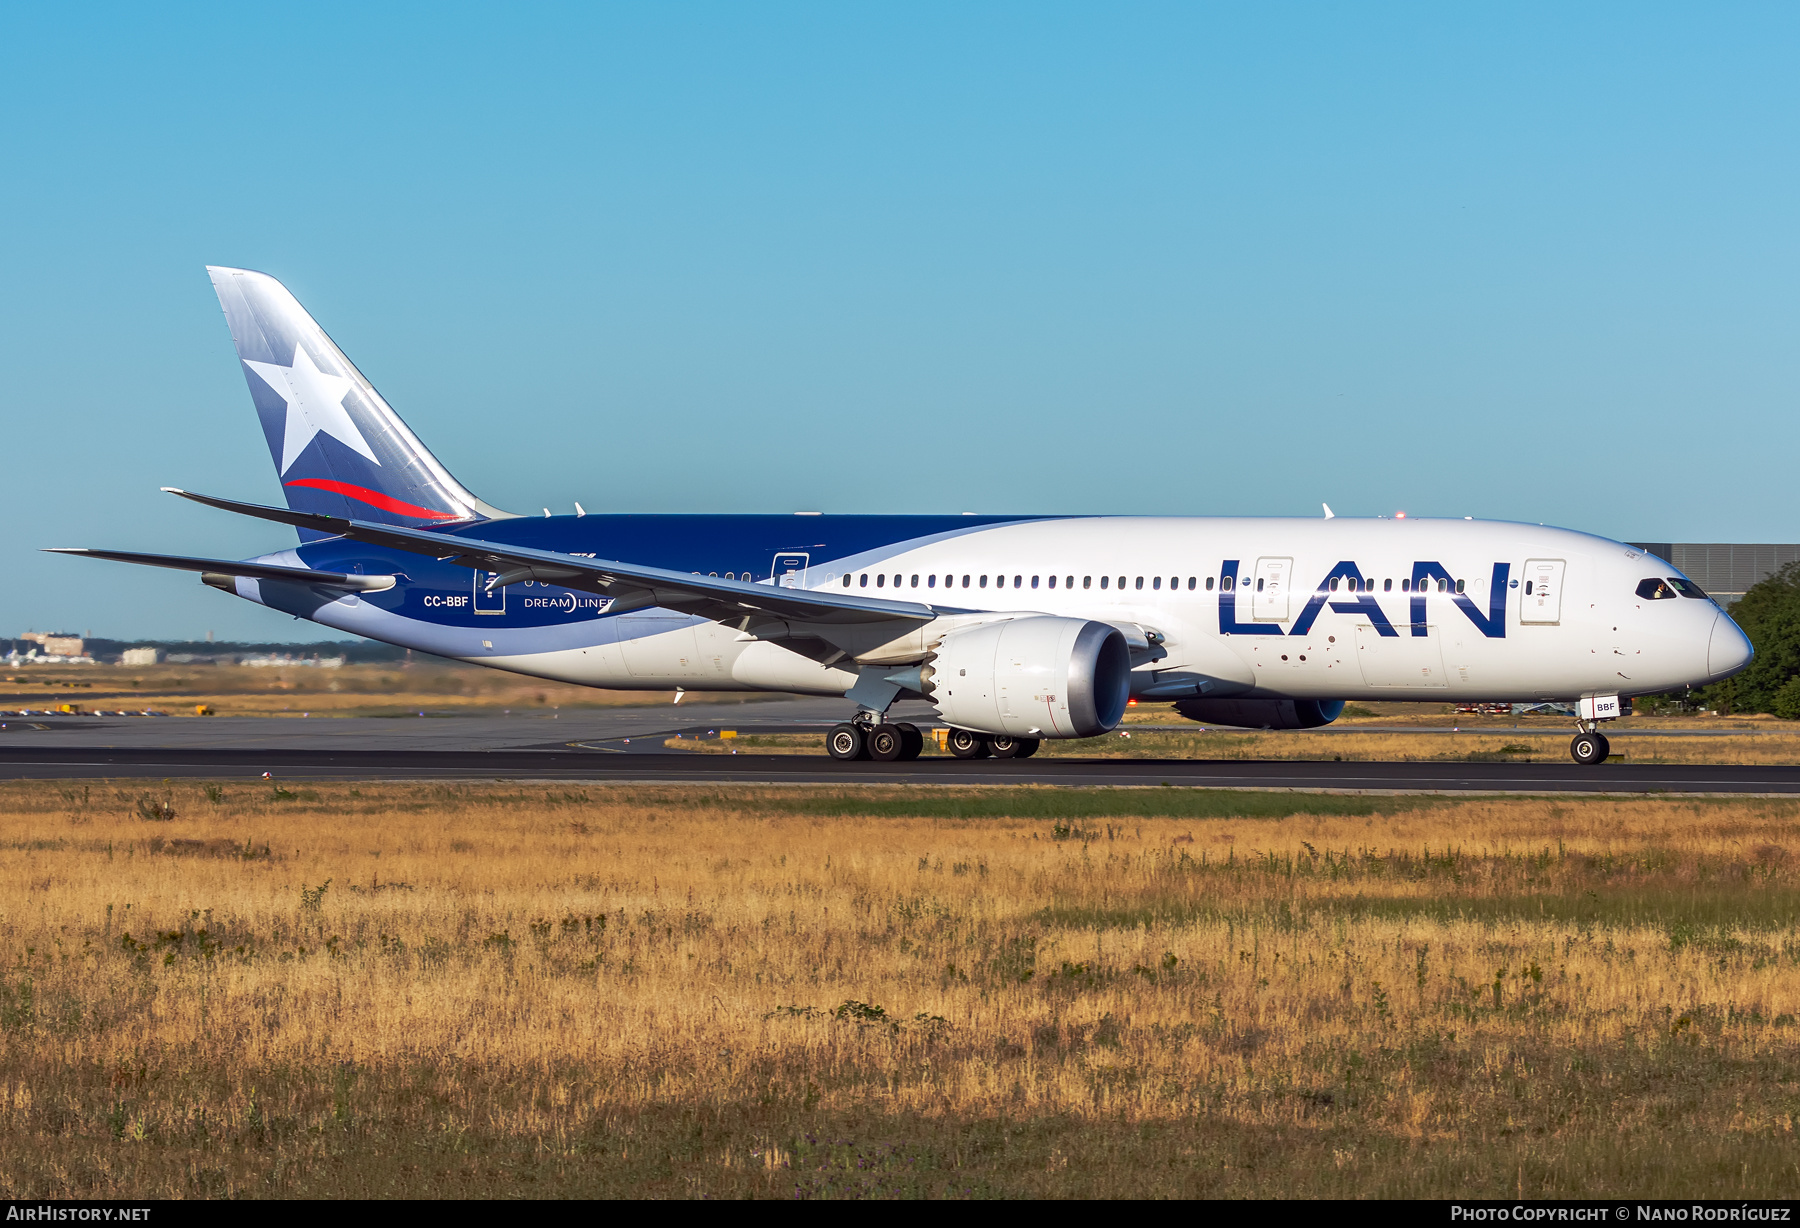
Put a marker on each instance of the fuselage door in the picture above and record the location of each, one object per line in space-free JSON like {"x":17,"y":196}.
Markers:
{"x":1273,"y":579}
{"x":486,"y":602}
{"x":1411,"y":662}
{"x":1540,"y":598}
{"x":790,"y":570}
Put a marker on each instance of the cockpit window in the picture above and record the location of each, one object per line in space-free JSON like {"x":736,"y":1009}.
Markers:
{"x":1687,"y":588}
{"x":1655,"y":589}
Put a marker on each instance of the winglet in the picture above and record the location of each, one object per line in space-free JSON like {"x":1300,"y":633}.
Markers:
{"x":1329,"y":514}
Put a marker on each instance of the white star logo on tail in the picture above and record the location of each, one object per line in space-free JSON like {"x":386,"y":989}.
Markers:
{"x":315,"y":402}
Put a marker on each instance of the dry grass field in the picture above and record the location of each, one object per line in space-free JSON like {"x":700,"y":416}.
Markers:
{"x":437,"y":687}
{"x":412,"y":990}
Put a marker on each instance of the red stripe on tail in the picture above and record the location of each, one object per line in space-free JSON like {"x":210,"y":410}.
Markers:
{"x":373,"y":498}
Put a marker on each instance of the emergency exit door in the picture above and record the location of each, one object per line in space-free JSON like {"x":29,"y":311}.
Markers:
{"x":1274,"y":577}
{"x":1540,"y":596}
{"x":790,"y":570}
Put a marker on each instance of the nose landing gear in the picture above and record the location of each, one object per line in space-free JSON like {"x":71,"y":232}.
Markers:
{"x":1589,"y":748}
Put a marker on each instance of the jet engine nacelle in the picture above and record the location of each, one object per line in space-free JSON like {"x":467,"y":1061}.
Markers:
{"x":1033,"y":677}
{"x":1262,"y":713}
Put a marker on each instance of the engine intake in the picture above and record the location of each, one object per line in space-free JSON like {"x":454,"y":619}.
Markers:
{"x":1262,"y":713}
{"x":1036,"y":677}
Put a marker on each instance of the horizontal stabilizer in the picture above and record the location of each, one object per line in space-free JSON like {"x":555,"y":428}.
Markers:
{"x":226,"y":567}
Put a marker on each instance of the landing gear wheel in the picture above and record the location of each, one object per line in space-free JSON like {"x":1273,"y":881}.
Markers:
{"x":915,"y":741}
{"x":846,"y":742}
{"x":886,"y":743}
{"x":1589,"y":748}
{"x":1027,"y":748}
{"x":966,"y":745}
{"x":1003,"y":747}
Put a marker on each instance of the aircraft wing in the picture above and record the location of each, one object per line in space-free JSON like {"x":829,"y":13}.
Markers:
{"x":227,"y":567}
{"x":630,"y":585}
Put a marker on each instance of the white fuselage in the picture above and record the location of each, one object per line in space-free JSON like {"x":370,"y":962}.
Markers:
{"x":1253,"y":607}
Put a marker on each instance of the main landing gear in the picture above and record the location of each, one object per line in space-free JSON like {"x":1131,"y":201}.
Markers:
{"x":889,"y":743}
{"x":966,"y":745}
{"x":884,"y":743}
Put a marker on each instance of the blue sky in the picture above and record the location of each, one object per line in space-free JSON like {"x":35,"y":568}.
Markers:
{"x":1525,"y":262}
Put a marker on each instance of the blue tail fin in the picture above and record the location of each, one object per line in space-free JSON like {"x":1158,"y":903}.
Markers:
{"x":338,"y":448}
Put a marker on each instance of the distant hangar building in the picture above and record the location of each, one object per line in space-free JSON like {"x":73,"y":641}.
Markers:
{"x":1724,"y":569}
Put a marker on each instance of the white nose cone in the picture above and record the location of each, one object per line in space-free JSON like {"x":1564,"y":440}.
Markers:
{"x":1729,"y":650}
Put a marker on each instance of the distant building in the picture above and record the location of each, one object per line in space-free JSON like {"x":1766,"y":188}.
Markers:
{"x":56,"y":643}
{"x":265,"y":659}
{"x":139,"y":656}
{"x":1725,"y":570}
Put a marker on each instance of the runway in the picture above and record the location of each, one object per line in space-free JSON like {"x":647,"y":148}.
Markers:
{"x":625,"y":745}
{"x":227,"y":763}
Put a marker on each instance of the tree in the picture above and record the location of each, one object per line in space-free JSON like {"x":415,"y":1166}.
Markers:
{"x":1770,"y":615}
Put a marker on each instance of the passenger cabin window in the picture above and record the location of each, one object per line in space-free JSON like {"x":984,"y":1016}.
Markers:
{"x":1528,"y":588}
{"x":1687,"y":588}
{"x":931,"y":580}
{"x":1259,"y":584}
{"x":984,"y":582}
{"x":1156,"y":583}
{"x":1140,"y":581}
{"x":1209,"y":580}
{"x":1121,"y":581}
{"x":1655,"y":589}
{"x":880,"y":580}
{"x":1069,"y":582}
{"x":1225,"y":584}
{"x":1459,"y":586}
{"x":862,"y":581}
{"x":1387,"y":586}
{"x":1034,"y":582}
{"x":1406,"y":586}
{"x":846,"y":579}
{"x":915,"y":582}
{"x":1332,"y":584}
{"x":965,"y":582}
{"x":1052,"y":581}
{"x":1103,"y":580}
{"x":1087,"y":582}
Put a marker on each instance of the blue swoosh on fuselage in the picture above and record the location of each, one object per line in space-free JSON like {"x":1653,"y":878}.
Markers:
{"x":694,"y":543}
